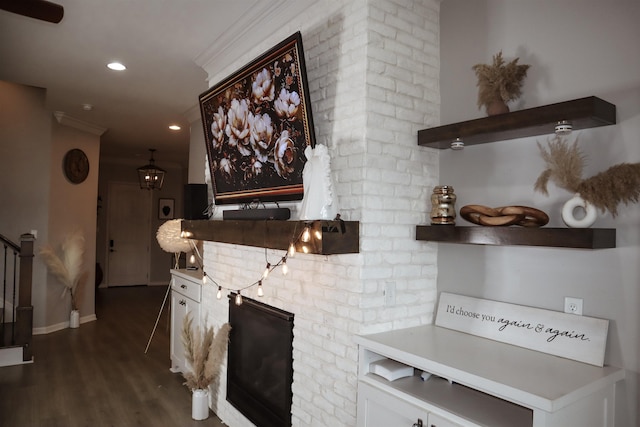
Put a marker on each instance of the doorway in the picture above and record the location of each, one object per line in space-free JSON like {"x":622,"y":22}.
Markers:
{"x":128,"y":235}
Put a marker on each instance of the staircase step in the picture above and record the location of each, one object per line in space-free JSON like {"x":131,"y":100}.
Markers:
{"x":10,"y":356}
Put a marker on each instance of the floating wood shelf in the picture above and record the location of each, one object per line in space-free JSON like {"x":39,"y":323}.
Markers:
{"x":581,"y":238}
{"x":337,"y":237}
{"x":583,"y":113}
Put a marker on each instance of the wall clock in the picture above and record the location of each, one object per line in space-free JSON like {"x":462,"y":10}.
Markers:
{"x":76,"y":166}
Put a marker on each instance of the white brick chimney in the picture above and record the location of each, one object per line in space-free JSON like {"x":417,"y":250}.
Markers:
{"x":373,"y":74}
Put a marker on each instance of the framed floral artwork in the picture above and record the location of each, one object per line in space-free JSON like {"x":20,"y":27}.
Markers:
{"x":257,"y":123}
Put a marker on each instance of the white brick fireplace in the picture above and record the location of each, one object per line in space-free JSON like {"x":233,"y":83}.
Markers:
{"x":373,"y":73}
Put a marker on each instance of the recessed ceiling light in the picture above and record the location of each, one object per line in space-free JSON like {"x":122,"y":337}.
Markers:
{"x":87,"y":107}
{"x":116,"y":66}
{"x":175,"y":127}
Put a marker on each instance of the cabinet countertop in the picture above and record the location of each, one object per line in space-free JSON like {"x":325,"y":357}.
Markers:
{"x":519,"y":375}
{"x":192,"y":275}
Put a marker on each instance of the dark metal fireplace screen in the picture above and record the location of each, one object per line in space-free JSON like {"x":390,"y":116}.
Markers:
{"x":260,"y":365}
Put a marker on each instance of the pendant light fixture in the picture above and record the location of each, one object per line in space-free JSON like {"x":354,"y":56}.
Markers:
{"x":151,"y":177}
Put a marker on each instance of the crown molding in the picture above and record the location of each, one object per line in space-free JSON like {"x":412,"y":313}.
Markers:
{"x":261,"y":22}
{"x":67,"y":120}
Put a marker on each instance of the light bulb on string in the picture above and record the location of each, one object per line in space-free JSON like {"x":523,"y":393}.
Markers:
{"x":219,"y":294}
{"x":238,"y":299}
{"x":204,"y":278}
{"x":266,"y":271}
{"x":260,"y":290}
{"x":292,"y":249}
{"x":318,"y":234}
{"x":285,"y":267}
{"x":305,"y":249}
{"x":306,"y":235}
{"x":192,"y":259}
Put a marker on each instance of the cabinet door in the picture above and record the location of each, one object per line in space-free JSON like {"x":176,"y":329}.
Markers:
{"x":377,"y":408}
{"x":180,"y":306}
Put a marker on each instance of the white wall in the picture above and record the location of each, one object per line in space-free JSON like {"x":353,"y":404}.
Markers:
{"x":71,"y":207}
{"x":575,"y":49}
{"x":25,"y":146}
{"x":37,"y":196}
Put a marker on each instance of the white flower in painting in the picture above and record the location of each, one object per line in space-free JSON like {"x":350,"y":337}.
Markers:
{"x":284,"y":154}
{"x":226,"y":167}
{"x":237,"y":128}
{"x":253,"y":170}
{"x":261,"y":134}
{"x":256,"y":167}
{"x":262,"y":87}
{"x":218,"y":127}
{"x":287,"y":104}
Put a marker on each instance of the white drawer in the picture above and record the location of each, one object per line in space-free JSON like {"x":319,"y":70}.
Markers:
{"x":186,"y":287}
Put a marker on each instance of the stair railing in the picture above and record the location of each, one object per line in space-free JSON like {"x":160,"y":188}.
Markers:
{"x":16,"y":328}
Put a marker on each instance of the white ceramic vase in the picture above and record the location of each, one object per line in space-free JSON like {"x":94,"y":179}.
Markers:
{"x":577,"y":204}
{"x":74,"y":319}
{"x":200,"y":404}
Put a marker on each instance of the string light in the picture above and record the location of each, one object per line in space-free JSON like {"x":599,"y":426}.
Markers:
{"x":266,"y":271}
{"x":305,"y":236}
{"x":260,"y":290}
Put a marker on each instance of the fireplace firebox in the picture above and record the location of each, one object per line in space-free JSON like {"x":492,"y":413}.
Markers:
{"x":260,"y":362}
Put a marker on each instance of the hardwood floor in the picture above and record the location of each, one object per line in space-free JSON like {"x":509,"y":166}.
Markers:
{"x":98,"y":374}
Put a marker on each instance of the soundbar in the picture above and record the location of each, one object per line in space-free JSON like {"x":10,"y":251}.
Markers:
{"x":257,"y":214}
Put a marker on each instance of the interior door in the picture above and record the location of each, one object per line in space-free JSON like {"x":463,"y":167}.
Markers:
{"x":128,"y":235}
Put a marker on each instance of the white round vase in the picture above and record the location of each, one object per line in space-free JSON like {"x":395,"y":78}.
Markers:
{"x":577,"y":204}
{"x":200,"y":404}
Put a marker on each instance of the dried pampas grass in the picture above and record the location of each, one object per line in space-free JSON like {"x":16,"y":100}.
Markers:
{"x":500,"y":80}
{"x":605,"y":191}
{"x":204,"y":352}
{"x":68,"y":269}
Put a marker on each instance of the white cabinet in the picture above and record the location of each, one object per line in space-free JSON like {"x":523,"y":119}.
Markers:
{"x":478,"y":382}
{"x":186,"y":291}
{"x":377,"y":408}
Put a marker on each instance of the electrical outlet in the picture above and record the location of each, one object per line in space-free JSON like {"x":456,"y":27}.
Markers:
{"x":390,"y":293}
{"x":573,"y":305}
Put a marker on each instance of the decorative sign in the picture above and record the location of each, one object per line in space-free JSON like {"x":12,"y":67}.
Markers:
{"x":570,"y":336}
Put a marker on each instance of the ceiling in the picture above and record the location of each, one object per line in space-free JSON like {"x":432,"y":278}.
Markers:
{"x":158,"y":41}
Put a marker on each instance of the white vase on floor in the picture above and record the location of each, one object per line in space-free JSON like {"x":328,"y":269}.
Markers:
{"x":74,"y":319}
{"x":200,"y":404}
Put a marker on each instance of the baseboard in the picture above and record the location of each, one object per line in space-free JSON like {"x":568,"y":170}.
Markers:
{"x":10,"y":356}
{"x":62,"y":325}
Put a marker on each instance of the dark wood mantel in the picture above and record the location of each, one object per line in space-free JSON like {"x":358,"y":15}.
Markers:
{"x":337,"y":237}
